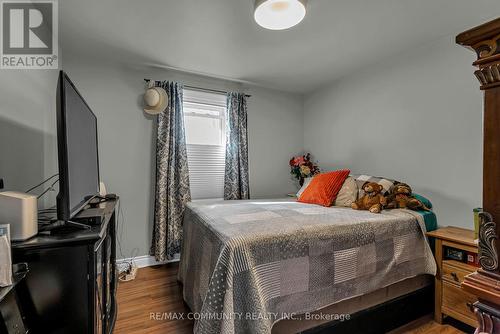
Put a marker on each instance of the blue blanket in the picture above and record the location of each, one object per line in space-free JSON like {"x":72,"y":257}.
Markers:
{"x":430,"y":220}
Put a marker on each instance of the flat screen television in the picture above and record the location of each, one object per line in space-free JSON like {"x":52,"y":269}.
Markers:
{"x":77,"y":150}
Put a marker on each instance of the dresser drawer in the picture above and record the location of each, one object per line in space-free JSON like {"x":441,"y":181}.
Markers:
{"x":453,"y":274}
{"x":457,"y":302}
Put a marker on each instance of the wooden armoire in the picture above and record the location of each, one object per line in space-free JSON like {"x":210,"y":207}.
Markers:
{"x":484,"y":40}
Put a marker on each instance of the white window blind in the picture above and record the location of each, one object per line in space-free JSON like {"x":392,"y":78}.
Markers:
{"x":204,"y":120}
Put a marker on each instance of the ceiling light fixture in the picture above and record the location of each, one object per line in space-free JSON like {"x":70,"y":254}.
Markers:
{"x":279,"y":14}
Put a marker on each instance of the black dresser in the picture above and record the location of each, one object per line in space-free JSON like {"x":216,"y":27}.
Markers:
{"x":72,"y":279}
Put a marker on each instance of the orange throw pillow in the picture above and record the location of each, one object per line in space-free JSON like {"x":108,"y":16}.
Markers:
{"x":324,"y":188}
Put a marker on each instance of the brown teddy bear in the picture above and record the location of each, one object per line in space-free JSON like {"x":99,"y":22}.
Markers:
{"x":373,"y":200}
{"x":401,"y":198}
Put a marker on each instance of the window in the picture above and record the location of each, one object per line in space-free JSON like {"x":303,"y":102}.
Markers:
{"x":204,"y":120}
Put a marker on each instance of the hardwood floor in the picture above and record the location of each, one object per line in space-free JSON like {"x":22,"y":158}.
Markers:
{"x":426,"y":325}
{"x":155,"y":290}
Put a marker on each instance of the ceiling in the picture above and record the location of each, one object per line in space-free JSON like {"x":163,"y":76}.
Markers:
{"x":220,"y":38}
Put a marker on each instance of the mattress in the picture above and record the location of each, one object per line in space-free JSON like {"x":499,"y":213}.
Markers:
{"x":245,"y":265}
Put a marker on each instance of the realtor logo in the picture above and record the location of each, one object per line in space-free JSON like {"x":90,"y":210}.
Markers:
{"x":29,"y":35}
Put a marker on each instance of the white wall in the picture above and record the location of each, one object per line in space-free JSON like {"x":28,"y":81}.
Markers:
{"x":126,"y":138}
{"x":415,"y":117}
{"x":275,"y":122}
{"x":28,"y":151}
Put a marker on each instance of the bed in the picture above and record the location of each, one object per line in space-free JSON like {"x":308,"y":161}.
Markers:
{"x":247,"y":265}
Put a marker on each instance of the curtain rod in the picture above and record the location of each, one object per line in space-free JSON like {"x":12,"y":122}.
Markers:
{"x":204,"y":89}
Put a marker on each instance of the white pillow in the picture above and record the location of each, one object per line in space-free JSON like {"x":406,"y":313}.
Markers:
{"x":307,"y":181}
{"x":348,"y":193}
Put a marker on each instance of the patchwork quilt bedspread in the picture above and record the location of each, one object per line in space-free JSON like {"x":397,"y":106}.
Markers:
{"x":247,"y":264}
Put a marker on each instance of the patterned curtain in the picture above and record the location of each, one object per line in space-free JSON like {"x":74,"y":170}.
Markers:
{"x":236,"y":176}
{"x":172,"y":176}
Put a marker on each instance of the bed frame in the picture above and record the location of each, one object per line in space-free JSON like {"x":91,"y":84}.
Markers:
{"x":484,"y":40}
{"x":384,"y":317}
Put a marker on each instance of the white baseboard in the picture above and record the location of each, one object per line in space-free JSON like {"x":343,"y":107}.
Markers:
{"x":144,"y":261}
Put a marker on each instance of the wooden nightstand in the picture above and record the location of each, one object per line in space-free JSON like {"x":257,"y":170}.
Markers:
{"x":450,"y":299}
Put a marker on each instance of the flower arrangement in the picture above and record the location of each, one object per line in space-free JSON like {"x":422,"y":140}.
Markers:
{"x":301,"y":167}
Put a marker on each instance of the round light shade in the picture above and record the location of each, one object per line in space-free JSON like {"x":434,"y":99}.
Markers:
{"x":279,"y":14}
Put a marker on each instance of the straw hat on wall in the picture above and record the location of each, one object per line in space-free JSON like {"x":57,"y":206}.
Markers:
{"x":156,"y":100}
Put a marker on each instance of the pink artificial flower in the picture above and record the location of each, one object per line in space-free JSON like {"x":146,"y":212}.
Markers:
{"x":300,"y":160}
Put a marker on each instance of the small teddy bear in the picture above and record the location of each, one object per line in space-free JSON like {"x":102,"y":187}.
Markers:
{"x":373,"y":200}
{"x":401,"y":198}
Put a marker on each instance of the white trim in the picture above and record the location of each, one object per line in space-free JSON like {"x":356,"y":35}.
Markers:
{"x":144,"y":261}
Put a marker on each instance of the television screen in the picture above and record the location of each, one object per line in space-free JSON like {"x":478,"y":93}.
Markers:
{"x":78,"y":153}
